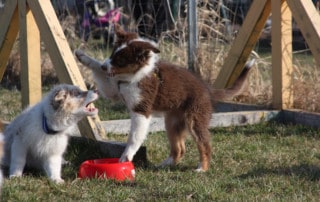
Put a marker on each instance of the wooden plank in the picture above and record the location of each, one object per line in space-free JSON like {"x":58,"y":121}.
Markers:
{"x":282,"y":71}
{"x":63,"y":59}
{"x":244,"y":43}
{"x":9,"y":21}
{"x":217,"y":120}
{"x":30,"y":57}
{"x":295,"y":116}
{"x":231,"y":106}
{"x":308,"y":20}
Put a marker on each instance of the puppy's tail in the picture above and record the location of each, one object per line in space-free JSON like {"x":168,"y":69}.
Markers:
{"x":238,"y":87}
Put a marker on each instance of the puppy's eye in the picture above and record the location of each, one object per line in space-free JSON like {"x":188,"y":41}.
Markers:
{"x":121,"y":62}
{"x":75,"y":93}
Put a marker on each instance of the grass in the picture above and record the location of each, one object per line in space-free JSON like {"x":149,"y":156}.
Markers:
{"x":264,"y":162}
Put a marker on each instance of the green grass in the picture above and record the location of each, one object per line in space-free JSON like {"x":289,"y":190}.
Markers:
{"x":264,"y":162}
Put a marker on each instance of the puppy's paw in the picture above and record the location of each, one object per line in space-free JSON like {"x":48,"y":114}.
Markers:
{"x":65,"y":162}
{"x":125,"y":158}
{"x":167,"y":162}
{"x":79,"y":54}
{"x":15,"y":173}
{"x":14,"y":176}
{"x":58,"y":180}
{"x":200,"y":169}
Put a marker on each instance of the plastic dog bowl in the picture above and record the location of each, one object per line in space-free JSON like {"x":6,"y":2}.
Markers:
{"x":109,"y":168}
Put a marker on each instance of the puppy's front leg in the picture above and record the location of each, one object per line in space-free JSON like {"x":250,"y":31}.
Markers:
{"x":52,"y":167}
{"x":138,"y":132}
{"x":87,"y":60}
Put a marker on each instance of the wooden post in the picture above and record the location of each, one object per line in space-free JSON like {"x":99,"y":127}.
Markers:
{"x":9,"y":21}
{"x":242,"y":46}
{"x":282,"y":70}
{"x":308,"y":20}
{"x":30,"y":56}
{"x":193,"y":35}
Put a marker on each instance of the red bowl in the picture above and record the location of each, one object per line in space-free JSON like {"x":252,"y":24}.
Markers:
{"x":109,"y":168}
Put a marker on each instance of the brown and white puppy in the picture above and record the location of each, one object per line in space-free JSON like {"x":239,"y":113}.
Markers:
{"x":38,"y":137}
{"x":150,"y":87}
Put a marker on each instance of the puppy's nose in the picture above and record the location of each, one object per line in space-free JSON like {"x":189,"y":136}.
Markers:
{"x":104,"y":67}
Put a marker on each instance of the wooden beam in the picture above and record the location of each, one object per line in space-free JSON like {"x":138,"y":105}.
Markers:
{"x":56,"y":43}
{"x":9,"y":21}
{"x":30,"y":57}
{"x":282,"y":70}
{"x":242,"y":46}
{"x":226,"y":119}
{"x":63,"y":59}
{"x":308,"y":20}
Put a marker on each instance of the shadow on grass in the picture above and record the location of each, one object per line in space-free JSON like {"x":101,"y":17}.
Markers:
{"x":304,"y":170}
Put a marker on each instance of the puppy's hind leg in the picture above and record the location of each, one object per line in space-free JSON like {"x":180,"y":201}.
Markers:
{"x":176,"y":132}
{"x":200,"y":133}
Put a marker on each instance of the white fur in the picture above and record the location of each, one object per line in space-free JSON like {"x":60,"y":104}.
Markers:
{"x":138,"y":133}
{"x":130,"y":94}
{"x":29,"y":142}
{"x":26,"y":142}
{"x":146,"y":70}
{"x":199,"y":169}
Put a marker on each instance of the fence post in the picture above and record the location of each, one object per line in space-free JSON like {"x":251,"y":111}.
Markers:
{"x":30,"y":57}
{"x":282,"y":70}
{"x":193,"y":35}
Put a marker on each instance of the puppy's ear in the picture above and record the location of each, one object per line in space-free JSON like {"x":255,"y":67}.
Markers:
{"x":123,"y":36}
{"x":118,"y":28}
{"x":60,"y":95}
{"x":142,"y":49}
{"x":59,"y":98}
{"x":142,"y":46}
{"x":120,"y":33}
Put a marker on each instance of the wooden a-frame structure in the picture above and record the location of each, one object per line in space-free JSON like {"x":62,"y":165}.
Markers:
{"x":308,"y":20}
{"x":32,"y":19}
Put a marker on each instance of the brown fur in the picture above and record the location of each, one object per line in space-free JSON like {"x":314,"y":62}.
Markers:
{"x":160,"y":87}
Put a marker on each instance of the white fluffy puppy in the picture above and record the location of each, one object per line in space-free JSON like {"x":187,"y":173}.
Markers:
{"x":38,"y":137}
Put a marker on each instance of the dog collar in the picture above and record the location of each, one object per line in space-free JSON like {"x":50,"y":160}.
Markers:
{"x":46,"y":128}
